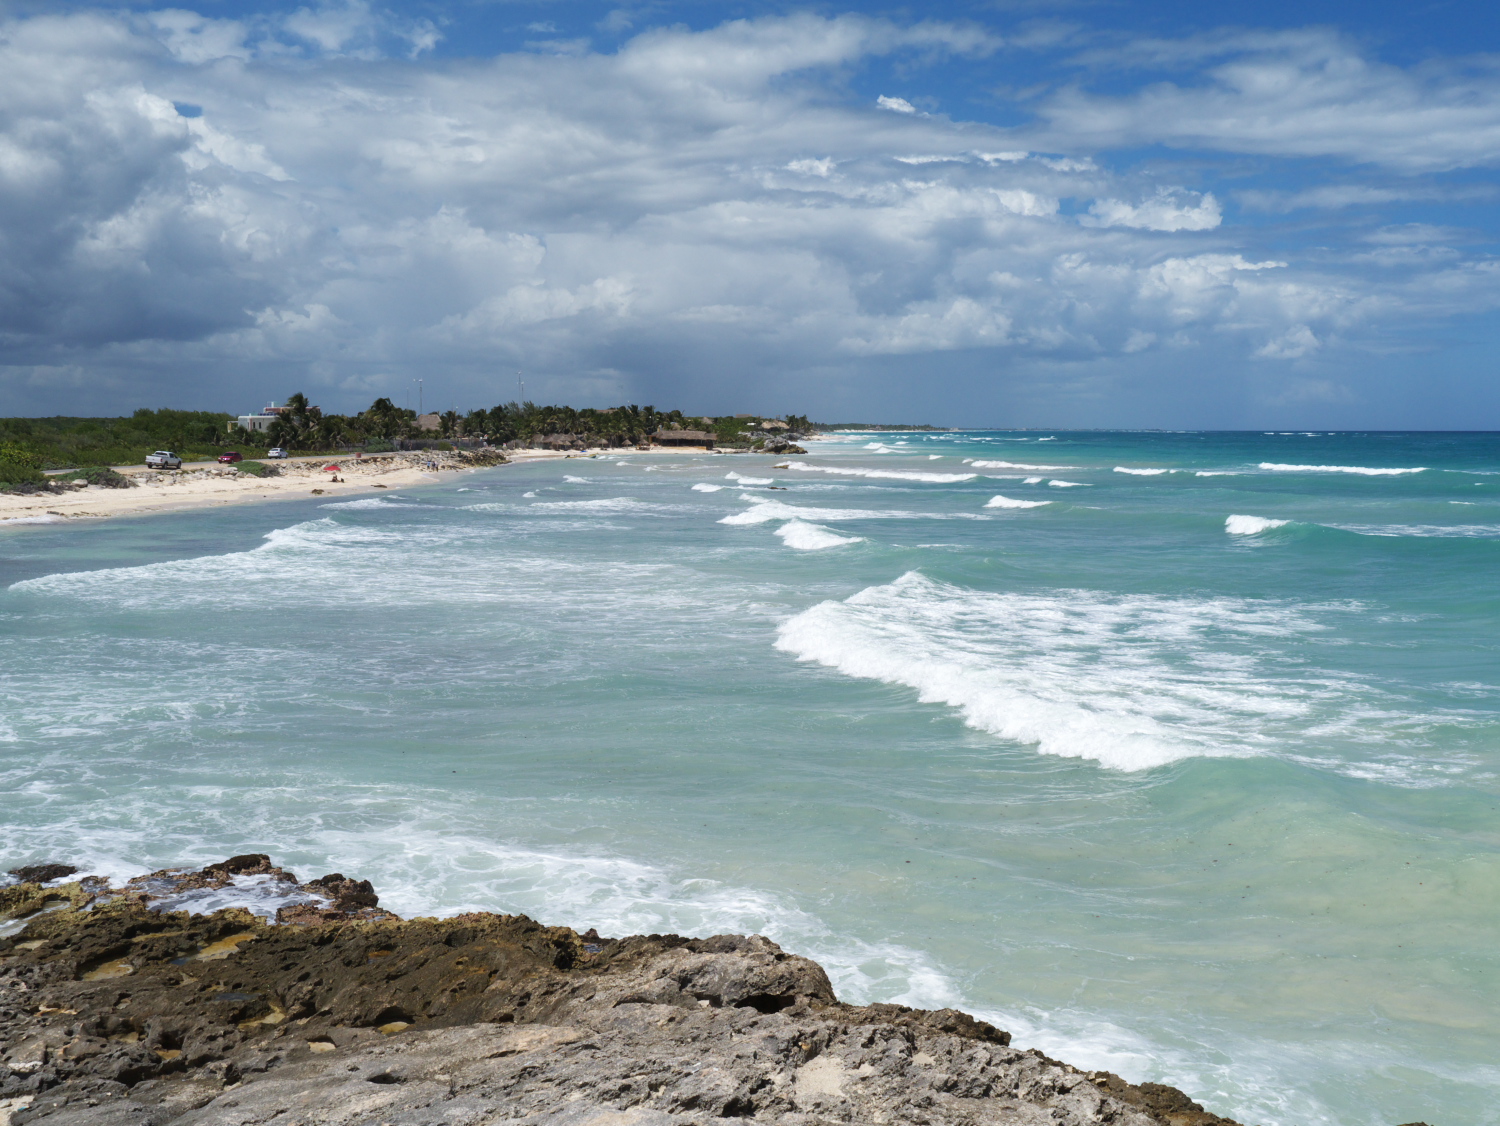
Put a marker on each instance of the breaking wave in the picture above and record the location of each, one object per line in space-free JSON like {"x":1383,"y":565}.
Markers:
{"x":1363,"y":471}
{"x":886,"y":474}
{"x":803,"y":536}
{"x":1018,"y":465}
{"x":1008,"y":502}
{"x":1131,"y":682}
{"x":1251,"y":525}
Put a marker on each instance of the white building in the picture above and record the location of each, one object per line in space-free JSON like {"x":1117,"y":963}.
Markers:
{"x":257,"y":423}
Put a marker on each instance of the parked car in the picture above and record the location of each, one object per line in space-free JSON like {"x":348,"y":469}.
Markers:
{"x":229,"y":457}
{"x":163,"y":459}
{"x":278,"y":452}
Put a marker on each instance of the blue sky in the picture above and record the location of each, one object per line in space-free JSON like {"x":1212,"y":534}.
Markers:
{"x":1015,"y":213}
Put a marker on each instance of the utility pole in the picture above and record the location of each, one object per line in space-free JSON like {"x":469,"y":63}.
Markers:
{"x":521,"y":383}
{"x":419,"y":397}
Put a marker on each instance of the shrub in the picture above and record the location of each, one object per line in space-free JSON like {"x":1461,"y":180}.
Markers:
{"x":96,"y":475}
{"x":20,"y":468}
{"x":258,"y":469}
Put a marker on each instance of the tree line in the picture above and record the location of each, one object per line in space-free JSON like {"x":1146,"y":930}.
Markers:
{"x":29,"y":445}
{"x":302,"y":426}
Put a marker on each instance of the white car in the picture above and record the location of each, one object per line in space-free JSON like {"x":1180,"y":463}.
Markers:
{"x":278,"y":452}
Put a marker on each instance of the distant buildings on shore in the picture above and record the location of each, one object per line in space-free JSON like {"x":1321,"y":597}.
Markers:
{"x":257,"y":423}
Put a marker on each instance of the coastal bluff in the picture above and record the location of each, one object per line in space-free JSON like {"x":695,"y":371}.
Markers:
{"x":308,"y":1004}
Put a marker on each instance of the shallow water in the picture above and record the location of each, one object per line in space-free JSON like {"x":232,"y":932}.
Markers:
{"x":1180,"y":759}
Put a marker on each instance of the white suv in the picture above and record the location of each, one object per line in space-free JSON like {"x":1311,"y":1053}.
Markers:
{"x":277,"y":452}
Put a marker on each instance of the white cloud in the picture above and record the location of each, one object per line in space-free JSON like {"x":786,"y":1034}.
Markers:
{"x":1305,"y":93}
{"x":676,"y":207}
{"x":1293,"y":344}
{"x":895,"y":105}
{"x":1170,"y":209}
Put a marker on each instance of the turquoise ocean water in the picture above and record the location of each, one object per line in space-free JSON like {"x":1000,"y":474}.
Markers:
{"x":1174,"y":754}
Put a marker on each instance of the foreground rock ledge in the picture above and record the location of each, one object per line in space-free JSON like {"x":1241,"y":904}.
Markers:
{"x":115,"y":1011}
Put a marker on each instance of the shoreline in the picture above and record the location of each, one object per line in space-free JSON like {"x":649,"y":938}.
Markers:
{"x":309,"y":998}
{"x":213,"y":486}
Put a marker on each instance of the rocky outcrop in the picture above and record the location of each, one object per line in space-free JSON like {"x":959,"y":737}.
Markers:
{"x":117,"y":1009}
{"x":779,"y":445}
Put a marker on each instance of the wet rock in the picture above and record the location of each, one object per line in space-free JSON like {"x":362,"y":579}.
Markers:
{"x":130,"y":1013}
{"x":42,"y":873}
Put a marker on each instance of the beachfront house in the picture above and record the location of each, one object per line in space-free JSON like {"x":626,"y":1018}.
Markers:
{"x":257,"y":423}
{"x":683,"y":438}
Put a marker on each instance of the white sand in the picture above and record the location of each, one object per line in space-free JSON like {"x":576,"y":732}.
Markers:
{"x":204,"y":486}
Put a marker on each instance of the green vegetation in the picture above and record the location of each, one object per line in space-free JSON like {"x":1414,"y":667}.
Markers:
{"x":20,"y":469}
{"x":62,"y":443}
{"x":257,"y":469}
{"x":29,"y":445}
{"x":94,"y":475}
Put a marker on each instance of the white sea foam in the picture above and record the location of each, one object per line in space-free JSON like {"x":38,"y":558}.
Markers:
{"x":1251,"y":525}
{"x":1142,"y":472}
{"x":1359,"y":469}
{"x":702,"y":488}
{"x":570,"y":479}
{"x":1033,"y":480}
{"x":1131,"y":682}
{"x":1424,"y":531}
{"x":763,"y":509}
{"x":603,"y":504}
{"x":803,"y":536}
{"x":998,"y":501}
{"x":47,"y":519}
{"x":1056,"y":484}
{"x":1218,"y":473}
{"x":530,"y":494}
{"x":371,"y":503}
{"x":1019,"y":465}
{"x":733,"y":476}
{"x":260,"y":895}
{"x":886,"y":474}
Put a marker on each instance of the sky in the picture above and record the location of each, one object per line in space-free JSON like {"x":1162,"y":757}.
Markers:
{"x":1012,"y":213}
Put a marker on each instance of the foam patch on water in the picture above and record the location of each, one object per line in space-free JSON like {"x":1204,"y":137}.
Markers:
{"x":1019,"y":465}
{"x":1251,"y":525}
{"x":1424,"y":531}
{"x":733,"y":476}
{"x":1129,"y":682}
{"x":367,"y":503}
{"x":763,"y":509}
{"x":261,"y":895}
{"x":603,"y":504}
{"x":571,"y":480}
{"x":1361,"y":470}
{"x":47,"y":519}
{"x":702,"y":488}
{"x":998,"y":501}
{"x":886,"y":474}
{"x":1056,"y":484}
{"x":1218,"y":473}
{"x":1142,"y":472}
{"x":809,"y":537}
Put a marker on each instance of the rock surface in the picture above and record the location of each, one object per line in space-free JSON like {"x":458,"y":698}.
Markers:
{"x":117,"y":1010}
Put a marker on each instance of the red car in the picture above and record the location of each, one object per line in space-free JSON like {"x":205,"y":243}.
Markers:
{"x":230,"y":458}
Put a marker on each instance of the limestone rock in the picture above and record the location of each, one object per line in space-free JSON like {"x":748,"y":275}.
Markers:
{"x":114,"y":1011}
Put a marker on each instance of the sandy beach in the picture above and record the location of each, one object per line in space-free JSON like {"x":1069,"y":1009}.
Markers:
{"x":209,"y":485}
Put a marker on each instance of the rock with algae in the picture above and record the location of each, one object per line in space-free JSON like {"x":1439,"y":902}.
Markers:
{"x":116,"y":1010}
